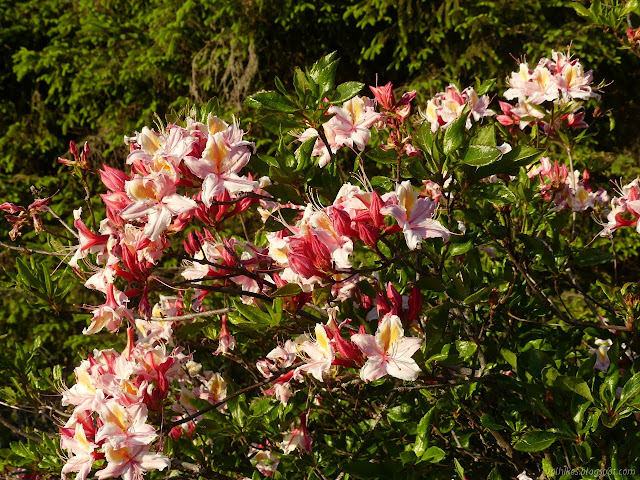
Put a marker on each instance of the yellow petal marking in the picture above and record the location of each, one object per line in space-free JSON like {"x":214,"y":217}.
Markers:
{"x":388,"y":332}
{"x":216,"y":151}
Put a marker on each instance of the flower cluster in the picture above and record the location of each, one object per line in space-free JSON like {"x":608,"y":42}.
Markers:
{"x":447,"y":106}
{"x":388,"y":352}
{"x":560,"y":81}
{"x":320,"y":244}
{"x":115,"y":393}
{"x":144,"y":206}
{"x":349,"y":127}
{"x":188,"y":179}
{"x":566,"y":190}
{"x":625,"y":209}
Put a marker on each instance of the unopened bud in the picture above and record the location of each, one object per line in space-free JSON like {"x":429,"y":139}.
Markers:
{"x":74,"y":149}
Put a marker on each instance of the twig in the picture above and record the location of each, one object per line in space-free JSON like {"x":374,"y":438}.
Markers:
{"x":572,"y":323}
{"x":62,"y":222}
{"x":188,"y":316}
{"x":30,"y":250}
{"x":213,"y":406}
{"x":16,"y":430}
{"x":198,"y":470}
{"x":323,"y":137}
{"x":87,"y":199}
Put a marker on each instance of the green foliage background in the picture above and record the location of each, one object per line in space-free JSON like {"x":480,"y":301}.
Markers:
{"x":75,"y":70}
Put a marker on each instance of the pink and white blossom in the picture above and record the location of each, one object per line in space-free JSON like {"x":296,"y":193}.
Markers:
{"x":389,"y":352}
{"x":415,"y":216}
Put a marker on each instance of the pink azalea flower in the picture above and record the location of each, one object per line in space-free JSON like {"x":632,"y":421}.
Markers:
{"x":352,"y":122}
{"x":447,"y":106}
{"x":415,"y":216}
{"x":320,"y":354}
{"x":389,"y":352}
{"x":111,"y":314}
{"x":88,"y":242}
{"x":125,"y":425}
{"x":83,"y":453}
{"x":348,"y":127}
{"x":156,"y":199}
{"x":393,"y":110}
{"x":225,"y":154}
{"x":298,"y":438}
{"x":226,"y":341}
{"x":264,"y":461}
{"x":131,"y":461}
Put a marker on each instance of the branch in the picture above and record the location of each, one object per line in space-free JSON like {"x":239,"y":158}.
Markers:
{"x":16,"y":430}
{"x":213,"y":406}
{"x":572,"y":323}
{"x":62,"y":222}
{"x":201,"y":471}
{"x":30,"y":250}
{"x":189,"y":316}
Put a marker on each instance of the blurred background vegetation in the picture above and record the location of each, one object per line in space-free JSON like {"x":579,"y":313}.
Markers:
{"x":76,"y":70}
{"x":85,"y":70}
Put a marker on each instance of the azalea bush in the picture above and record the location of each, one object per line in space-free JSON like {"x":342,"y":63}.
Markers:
{"x":349,"y":287}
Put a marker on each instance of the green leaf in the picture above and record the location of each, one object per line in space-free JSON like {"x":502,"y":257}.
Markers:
{"x":238,"y":409}
{"x":261,"y":407}
{"x":383,"y":182}
{"x":280,"y":86}
{"x":485,"y":136}
{"x":424,"y":138}
{"x":510,"y":163}
{"x":379,"y":155}
{"x":485,"y":87}
{"x":465,"y":349}
{"x":303,"y":154}
{"x":323,"y":73}
{"x":400,"y":413}
{"x":609,"y":386}
{"x":589,"y":257}
{"x":497,"y":194}
{"x":629,"y":7}
{"x":581,"y":9}
{"x":535,"y":441}
{"x":494,"y":474}
{"x":346,"y":91}
{"x":422,"y":437}
{"x":301,"y":85}
{"x":548,"y":469}
{"x":26,"y":276}
{"x":408,"y":457}
{"x":459,"y":469}
{"x":288,"y":290}
{"x":253,"y":314}
{"x":630,"y":390}
{"x":24,"y":450}
{"x":273,"y":101}
{"x":454,"y":134}
{"x":460,"y":248}
{"x":489,"y":422}
{"x":475,"y":297}
{"x":509,"y":357}
{"x":433,"y":455}
{"x":480,"y":155}
{"x":573,"y":384}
